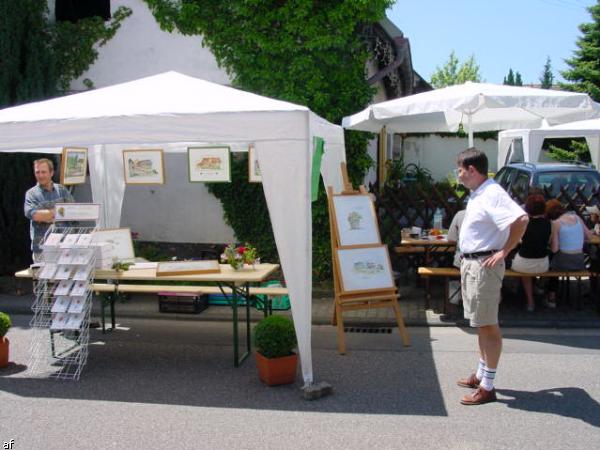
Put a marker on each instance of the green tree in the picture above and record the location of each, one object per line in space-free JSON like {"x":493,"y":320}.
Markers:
{"x":584,"y":71}
{"x":576,"y":151}
{"x":455,"y":73}
{"x":510,"y":78}
{"x":547,"y":78}
{"x":518,"y":80}
{"x":38,"y":59}
{"x":307,"y":52}
{"x":513,"y":78}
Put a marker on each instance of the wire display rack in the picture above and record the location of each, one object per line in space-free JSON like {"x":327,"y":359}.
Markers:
{"x":62,"y":303}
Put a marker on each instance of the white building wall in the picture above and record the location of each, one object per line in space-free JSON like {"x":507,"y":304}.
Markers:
{"x":438,"y":154}
{"x":140,"y":48}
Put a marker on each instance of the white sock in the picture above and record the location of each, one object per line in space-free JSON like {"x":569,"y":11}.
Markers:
{"x":480,"y":368}
{"x":487,"y":382}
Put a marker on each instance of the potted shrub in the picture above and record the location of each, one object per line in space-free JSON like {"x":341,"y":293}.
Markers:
{"x":275,"y":340}
{"x":5,"y":324}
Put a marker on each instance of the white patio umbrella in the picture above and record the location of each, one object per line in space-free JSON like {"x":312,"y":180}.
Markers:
{"x":478,"y":106}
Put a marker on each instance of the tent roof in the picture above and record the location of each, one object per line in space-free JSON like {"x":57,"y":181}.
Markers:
{"x":161,"y":108}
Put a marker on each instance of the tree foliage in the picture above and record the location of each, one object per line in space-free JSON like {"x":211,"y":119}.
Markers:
{"x":577,"y":150}
{"x":308,"y":52}
{"x":513,"y":78}
{"x":455,"y":73}
{"x":584,"y":71}
{"x":38,"y":60}
{"x":547,"y":77}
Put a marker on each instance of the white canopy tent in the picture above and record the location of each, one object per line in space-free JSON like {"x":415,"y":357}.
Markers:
{"x":170,"y":110}
{"x":477,"y":106}
{"x":532,"y":140}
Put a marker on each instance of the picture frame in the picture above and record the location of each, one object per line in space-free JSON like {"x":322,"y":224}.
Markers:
{"x":365,"y":269}
{"x":118,"y":243}
{"x":73,"y":165}
{"x":143,"y":166}
{"x":356,"y":220}
{"x":209,"y":164}
{"x":254,"y":173}
{"x":187,"y":267}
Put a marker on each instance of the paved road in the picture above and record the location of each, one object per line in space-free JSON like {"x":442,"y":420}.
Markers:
{"x":171,"y":384}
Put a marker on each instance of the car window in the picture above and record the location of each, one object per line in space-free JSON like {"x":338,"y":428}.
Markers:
{"x":504,"y":176}
{"x":553,"y":181}
{"x":520,"y":185}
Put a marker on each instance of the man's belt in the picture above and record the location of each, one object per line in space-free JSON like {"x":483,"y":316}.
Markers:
{"x":478,"y":255}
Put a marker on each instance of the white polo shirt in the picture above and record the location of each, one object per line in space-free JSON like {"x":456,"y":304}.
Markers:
{"x":488,"y":217}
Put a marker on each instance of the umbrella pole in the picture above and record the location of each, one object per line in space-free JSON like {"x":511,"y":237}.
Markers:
{"x":470,"y":130}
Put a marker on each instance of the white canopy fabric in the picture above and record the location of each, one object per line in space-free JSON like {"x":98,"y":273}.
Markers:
{"x":170,"y":109}
{"x":478,"y":106}
{"x":533,"y":139}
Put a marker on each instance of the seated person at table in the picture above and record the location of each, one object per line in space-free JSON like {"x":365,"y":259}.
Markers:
{"x":532,"y":256}
{"x":566,"y":242}
{"x":452,"y":238}
{"x":594,"y":213}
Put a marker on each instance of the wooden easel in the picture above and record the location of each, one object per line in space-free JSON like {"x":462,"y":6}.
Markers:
{"x":352,"y":301}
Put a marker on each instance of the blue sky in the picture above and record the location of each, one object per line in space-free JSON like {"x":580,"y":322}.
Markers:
{"x":501,"y":34}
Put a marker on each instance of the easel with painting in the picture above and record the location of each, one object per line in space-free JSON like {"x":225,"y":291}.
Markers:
{"x":362,"y":274}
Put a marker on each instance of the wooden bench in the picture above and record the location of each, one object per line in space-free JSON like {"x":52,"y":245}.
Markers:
{"x":111,"y":292}
{"x":452,"y":272}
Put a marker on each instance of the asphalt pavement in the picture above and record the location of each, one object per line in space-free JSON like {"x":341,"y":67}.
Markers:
{"x":171,"y":384}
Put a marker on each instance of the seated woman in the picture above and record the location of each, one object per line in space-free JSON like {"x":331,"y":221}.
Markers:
{"x":566,"y":242}
{"x":532,"y":256}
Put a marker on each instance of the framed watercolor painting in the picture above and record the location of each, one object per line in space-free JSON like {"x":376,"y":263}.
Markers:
{"x":143,"y":166}
{"x":117,"y":243}
{"x":365,"y":269}
{"x":209,"y":164}
{"x":187,"y":267}
{"x":254,"y":174}
{"x":73,"y":166}
{"x":356,"y":220}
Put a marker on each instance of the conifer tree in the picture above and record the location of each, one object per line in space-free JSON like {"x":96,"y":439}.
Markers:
{"x":584,"y":66}
{"x":547,"y":78}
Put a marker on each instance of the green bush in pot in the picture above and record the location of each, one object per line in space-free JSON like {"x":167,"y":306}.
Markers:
{"x":275,"y":337}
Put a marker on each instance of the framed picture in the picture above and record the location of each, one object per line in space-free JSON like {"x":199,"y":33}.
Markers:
{"x":254,"y":174}
{"x":209,"y":164}
{"x":144,"y":166}
{"x":365,"y":269}
{"x":117,"y":244}
{"x":73,"y":166}
{"x":187,"y":267}
{"x":356,"y":220}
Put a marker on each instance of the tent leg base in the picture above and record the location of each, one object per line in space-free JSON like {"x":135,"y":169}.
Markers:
{"x":317,"y":390}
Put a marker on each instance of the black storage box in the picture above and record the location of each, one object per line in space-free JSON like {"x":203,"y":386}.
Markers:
{"x":186,"y":303}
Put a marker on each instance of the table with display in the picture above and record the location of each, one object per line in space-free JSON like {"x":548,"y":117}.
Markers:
{"x":427,"y":246}
{"x":232,"y":283}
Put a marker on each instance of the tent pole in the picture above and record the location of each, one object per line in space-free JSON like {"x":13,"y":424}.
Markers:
{"x":470,"y":129}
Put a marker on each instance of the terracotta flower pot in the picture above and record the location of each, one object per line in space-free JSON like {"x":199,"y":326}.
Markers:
{"x":276,"y":371}
{"x":3,"y":352}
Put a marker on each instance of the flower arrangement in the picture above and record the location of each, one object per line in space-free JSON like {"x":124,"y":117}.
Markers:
{"x":236,"y":257}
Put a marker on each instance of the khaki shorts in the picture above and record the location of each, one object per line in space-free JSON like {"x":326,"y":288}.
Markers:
{"x":481,"y":291}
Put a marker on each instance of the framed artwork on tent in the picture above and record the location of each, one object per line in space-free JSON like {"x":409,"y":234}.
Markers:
{"x":209,"y":164}
{"x":143,"y":166}
{"x":254,"y":174}
{"x":116,"y":243}
{"x":356,"y":220}
{"x":73,"y":165}
{"x":365,"y":269}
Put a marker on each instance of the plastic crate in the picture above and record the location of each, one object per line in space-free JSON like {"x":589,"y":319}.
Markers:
{"x":183,"y":303}
{"x":278,"y":302}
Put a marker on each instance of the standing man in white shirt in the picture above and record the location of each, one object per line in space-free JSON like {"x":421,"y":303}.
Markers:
{"x":492,"y":227}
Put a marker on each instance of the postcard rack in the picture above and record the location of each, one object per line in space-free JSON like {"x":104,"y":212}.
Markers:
{"x":62,"y":303}
{"x":362,"y":274}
